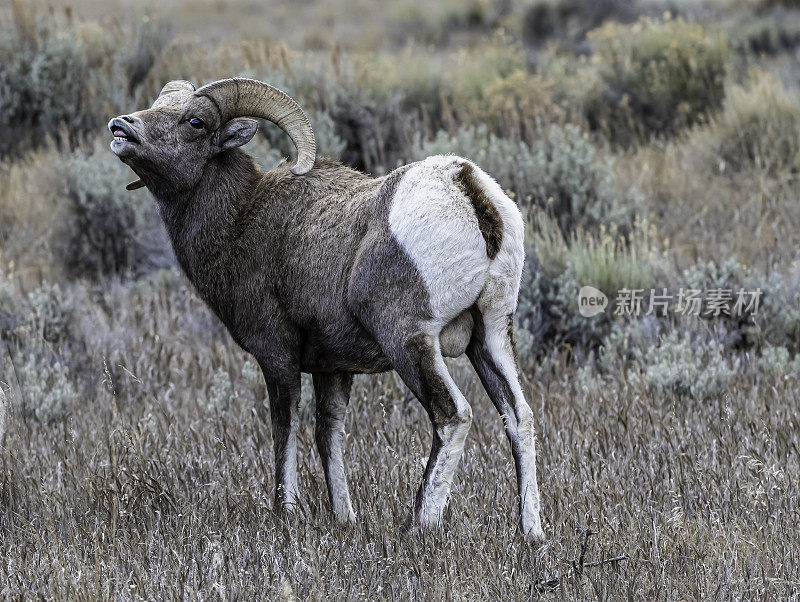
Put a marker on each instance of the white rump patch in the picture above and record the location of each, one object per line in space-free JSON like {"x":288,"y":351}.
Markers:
{"x":436,"y":226}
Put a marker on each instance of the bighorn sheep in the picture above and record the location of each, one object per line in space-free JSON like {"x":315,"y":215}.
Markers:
{"x":319,"y":268}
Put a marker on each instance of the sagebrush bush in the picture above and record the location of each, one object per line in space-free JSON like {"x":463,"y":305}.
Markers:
{"x":272,"y":146}
{"x":682,"y":366}
{"x":434,"y":22}
{"x":221,"y":395}
{"x":107,"y":229}
{"x":490,"y":84}
{"x":577,"y":184}
{"x":50,"y":312}
{"x":58,"y":83}
{"x":569,"y":21}
{"x":496,"y":87}
{"x":558,"y":266}
{"x":626,"y":341}
{"x":777,"y":319}
{"x":48,"y":394}
{"x":518,"y":105}
{"x":758,"y":126}
{"x":777,"y":362}
{"x":561,"y":172}
{"x":377,"y":134}
{"x":143,"y":47}
{"x":254,"y":378}
{"x":329,"y":143}
{"x":657,"y":77}
{"x":6,"y":303}
{"x":42,"y":87}
{"x":779,"y":3}
{"x":45,"y":314}
{"x":671,"y":357}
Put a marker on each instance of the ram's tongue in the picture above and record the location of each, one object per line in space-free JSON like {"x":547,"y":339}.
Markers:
{"x":135,"y":185}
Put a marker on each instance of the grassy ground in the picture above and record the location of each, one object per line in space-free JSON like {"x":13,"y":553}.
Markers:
{"x":159,"y":500}
{"x":647,"y":148}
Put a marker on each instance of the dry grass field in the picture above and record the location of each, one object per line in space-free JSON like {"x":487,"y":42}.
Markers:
{"x":650,"y":145}
{"x":159,"y":500}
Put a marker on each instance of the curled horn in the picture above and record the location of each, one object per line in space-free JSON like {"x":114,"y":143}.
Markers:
{"x":241,"y":97}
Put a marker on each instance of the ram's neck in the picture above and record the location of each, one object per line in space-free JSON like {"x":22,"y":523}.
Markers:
{"x":200,"y":222}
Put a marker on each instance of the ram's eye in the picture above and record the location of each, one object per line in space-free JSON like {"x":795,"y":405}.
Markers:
{"x":196,"y":123}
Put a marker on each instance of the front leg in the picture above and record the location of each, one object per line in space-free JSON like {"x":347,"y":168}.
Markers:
{"x":284,"y":399}
{"x":332,"y":393}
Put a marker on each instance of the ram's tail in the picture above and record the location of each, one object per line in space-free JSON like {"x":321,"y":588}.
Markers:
{"x":489,"y":220}
{"x":503,"y":229}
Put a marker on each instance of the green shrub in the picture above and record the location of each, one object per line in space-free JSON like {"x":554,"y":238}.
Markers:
{"x":777,"y":362}
{"x":777,"y":321}
{"x":684,"y":367}
{"x":378,"y":134}
{"x":561,"y":172}
{"x":656,"y":77}
{"x":221,"y":396}
{"x":558,"y":267}
{"x":759,"y":126}
{"x":41,"y":88}
{"x":571,"y":20}
{"x":50,"y":312}
{"x":108,"y":230}
{"x":48,"y":394}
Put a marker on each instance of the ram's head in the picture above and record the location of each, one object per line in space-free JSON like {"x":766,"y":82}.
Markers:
{"x":171,"y":142}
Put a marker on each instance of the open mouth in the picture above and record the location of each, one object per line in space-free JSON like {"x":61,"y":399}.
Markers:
{"x":124,"y":144}
{"x":122,"y":131}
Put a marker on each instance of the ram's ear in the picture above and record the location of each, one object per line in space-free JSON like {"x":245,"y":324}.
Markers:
{"x":235,"y":133}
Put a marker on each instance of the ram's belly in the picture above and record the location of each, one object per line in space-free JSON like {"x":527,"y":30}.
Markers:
{"x":342,"y":347}
{"x":361,"y":354}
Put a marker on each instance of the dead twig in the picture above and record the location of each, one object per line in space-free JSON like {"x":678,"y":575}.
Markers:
{"x":578,"y":566}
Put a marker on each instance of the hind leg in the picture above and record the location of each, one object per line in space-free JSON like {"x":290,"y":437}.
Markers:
{"x":420,"y":364}
{"x":415,"y":354}
{"x":492,"y":353}
{"x":332,"y":394}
